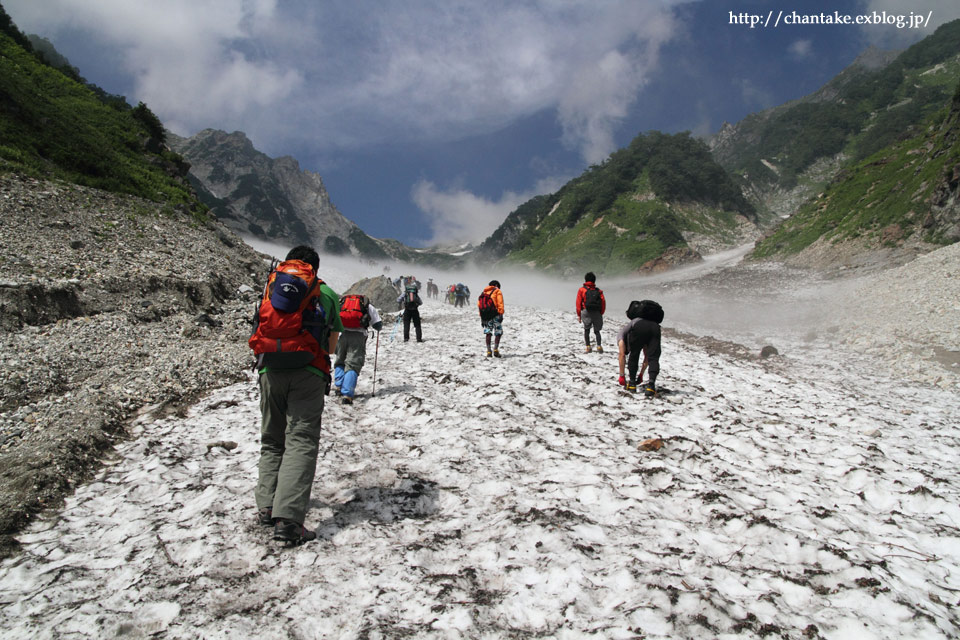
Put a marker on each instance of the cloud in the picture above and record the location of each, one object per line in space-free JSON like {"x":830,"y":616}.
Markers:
{"x":358,"y":74}
{"x":605,"y":83}
{"x":457,"y":215}
{"x":800,"y":49}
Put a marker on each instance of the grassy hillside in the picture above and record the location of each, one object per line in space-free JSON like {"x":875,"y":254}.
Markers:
{"x":886,"y":198}
{"x":624,"y":212}
{"x":53,"y":125}
{"x":858,"y":113}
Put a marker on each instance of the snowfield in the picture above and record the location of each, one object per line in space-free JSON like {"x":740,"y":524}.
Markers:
{"x":473,"y":497}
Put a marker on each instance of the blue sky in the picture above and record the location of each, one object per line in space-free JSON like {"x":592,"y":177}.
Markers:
{"x":430,"y":121}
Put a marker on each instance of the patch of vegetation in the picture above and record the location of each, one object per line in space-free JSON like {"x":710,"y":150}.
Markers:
{"x":54,"y":126}
{"x":871,"y":110}
{"x":616,"y":216}
{"x":636,"y":228}
{"x":366,"y":245}
{"x":889,"y":191}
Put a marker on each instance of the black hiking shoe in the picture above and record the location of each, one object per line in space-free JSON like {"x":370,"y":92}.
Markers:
{"x":291,"y":533}
{"x":265,"y":516}
{"x":631,"y":386}
{"x":649,"y":390}
{"x":346,"y":400}
{"x":489,"y":353}
{"x":496,"y":353}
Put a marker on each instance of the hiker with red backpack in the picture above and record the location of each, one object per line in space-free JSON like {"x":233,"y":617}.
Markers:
{"x":641,"y":335}
{"x":295,"y":330}
{"x":356,"y":315}
{"x":490,"y":305}
{"x":591,"y":305}
{"x":410,"y":302}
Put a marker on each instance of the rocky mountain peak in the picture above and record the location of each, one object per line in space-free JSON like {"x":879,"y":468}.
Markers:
{"x":267,"y":198}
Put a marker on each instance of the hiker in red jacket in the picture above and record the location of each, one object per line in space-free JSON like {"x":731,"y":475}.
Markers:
{"x":591,"y":305}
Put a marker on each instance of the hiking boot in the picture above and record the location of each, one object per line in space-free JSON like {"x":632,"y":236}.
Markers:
{"x":496,"y":353}
{"x":265,"y":516}
{"x":291,"y":533}
{"x":631,"y":386}
{"x":489,"y":353}
{"x":336,"y":391}
{"x":587,"y":350}
{"x":346,"y":400}
{"x":599,"y":349}
{"x":649,"y":390}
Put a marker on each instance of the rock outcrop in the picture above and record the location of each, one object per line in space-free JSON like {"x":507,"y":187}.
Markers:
{"x":268,"y":198}
{"x":379,"y":290}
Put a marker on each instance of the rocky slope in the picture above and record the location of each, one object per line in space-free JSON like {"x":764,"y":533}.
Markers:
{"x":267,"y":198}
{"x":108,"y":305}
{"x":273,"y":199}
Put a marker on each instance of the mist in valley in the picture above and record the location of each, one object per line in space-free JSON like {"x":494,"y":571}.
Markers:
{"x":723,"y":296}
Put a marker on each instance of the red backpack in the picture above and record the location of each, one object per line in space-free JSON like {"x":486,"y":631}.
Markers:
{"x":354,"y":312}
{"x":488,"y":308}
{"x":290,"y":330}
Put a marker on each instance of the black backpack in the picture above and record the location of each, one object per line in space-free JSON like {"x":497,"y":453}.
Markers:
{"x":411,"y":300}
{"x":646,"y":309}
{"x":593,"y":299}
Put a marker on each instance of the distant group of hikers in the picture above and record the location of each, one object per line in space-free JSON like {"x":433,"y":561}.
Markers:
{"x":300,"y":321}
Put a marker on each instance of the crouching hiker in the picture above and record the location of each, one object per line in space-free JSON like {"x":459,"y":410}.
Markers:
{"x":295,"y":331}
{"x":490,"y":304}
{"x":356,"y":315}
{"x":641,"y":335}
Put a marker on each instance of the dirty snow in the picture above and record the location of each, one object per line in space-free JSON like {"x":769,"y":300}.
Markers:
{"x":796,"y":497}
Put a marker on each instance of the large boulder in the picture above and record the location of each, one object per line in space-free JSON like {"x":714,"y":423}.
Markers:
{"x":379,"y":290}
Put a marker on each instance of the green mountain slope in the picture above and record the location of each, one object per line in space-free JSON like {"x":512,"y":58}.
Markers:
{"x":906,"y":192}
{"x":618,"y":216}
{"x":872,"y":104}
{"x":52,"y":125}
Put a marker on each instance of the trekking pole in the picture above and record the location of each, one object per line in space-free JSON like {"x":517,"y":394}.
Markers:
{"x":376,"y":352}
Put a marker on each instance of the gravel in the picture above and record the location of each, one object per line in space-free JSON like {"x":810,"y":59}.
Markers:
{"x":109,"y":306}
{"x":908,"y":318}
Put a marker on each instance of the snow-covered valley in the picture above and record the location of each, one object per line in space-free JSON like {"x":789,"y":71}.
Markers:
{"x":801,"y":496}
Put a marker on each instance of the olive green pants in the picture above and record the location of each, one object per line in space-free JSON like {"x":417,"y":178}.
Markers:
{"x":291,"y":406}
{"x":351,"y":351}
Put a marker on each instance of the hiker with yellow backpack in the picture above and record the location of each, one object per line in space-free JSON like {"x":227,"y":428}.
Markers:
{"x":356,"y":314}
{"x":296,"y":328}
